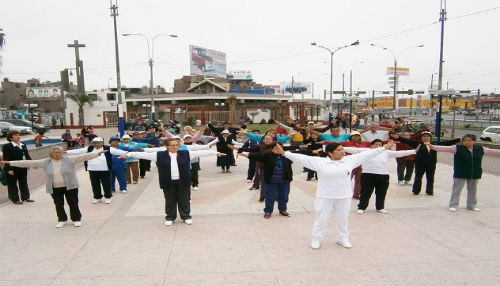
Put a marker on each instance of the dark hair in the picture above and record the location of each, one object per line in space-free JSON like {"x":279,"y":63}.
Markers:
{"x":256,"y":130}
{"x":41,"y":133}
{"x":470,"y":136}
{"x":375,"y":141}
{"x":334,"y":126}
{"x":12,"y":133}
{"x":332,"y":147}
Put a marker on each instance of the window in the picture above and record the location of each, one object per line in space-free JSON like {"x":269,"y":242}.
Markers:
{"x":111,"y":96}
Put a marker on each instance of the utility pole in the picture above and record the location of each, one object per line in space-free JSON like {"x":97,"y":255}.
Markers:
{"x":394,"y":106}
{"x":442,"y":19}
{"x":79,"y":65}
{"x":477,"y":103}
{"x":292,"y":87}
{"x":121,"y":123}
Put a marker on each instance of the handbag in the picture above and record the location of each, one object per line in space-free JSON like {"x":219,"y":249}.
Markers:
{"x":3,"y":177}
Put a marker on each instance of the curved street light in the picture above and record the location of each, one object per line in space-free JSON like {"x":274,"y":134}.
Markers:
{"x":151,"y":56}
{"x":331,"y":67}
{"x":395,"y":57}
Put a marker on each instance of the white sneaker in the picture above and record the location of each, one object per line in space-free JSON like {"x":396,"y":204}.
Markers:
{"x":382,"y":211}
{"x":169,"y":222}
{"x":453,"y":209}
{"x":123,"y":191}
{"x":60,"y":224}
{"x":345,"y":243}
{"x":77,"y":223}
{"x":315,"y":244}
{"x":401,"y":183}
{"x":196,"y":189}
{"x":249,"y":181}
{"x":407,"y":183}
{"x":188,"y":221}
{"x":361,"y":211}
{"x":96,"y":201}
{"x":107,"y":201}
{"x":475,"y":209}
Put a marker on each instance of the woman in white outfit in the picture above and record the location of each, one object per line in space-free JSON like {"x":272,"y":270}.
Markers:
{"x":375,"y":175}
{"x":334,"y":189}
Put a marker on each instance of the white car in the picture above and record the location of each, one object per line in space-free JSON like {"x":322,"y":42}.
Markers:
{"x":12,"y":127}
{"x":491,"y":134}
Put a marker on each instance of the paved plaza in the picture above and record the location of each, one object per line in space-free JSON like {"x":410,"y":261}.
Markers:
{"x":126,"y":243}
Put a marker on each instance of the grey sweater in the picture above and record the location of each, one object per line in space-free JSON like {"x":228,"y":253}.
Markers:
{"x":67,"y":169}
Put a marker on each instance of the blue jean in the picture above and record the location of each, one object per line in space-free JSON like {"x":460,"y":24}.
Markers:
{"x":119,"y":174}
{"x":283,"y":190}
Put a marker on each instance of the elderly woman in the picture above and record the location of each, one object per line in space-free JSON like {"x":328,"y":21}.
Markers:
{"x":61,"y":180}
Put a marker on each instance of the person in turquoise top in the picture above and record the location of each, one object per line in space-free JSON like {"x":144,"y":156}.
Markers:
{"x":132,"y":163}
{"x":334,"y":135}
{"x":258,"y":137}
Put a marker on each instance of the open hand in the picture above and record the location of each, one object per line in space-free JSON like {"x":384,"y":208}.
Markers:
{"x":389,"y":145}
{"x":220,"y":154}
{"x":124,"y":156}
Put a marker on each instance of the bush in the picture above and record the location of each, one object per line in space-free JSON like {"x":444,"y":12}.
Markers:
{"x":191,"y":121}
{"x":467,"y":125}
{"x":263,"y":121}
{"x":270,"y":121}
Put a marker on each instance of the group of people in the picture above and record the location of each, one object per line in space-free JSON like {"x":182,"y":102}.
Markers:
{"x":327,"y":155}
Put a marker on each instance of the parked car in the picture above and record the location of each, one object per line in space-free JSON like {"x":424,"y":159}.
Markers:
{"x":24,"y":122}
{"x":11,"y":127}
{"x":200,"y":58}
{"x":4,"y":130}
{"x":491,"y":134}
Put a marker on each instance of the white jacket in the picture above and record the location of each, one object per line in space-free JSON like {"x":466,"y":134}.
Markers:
{"x":378,"y":164}
{"x":334,"y":176}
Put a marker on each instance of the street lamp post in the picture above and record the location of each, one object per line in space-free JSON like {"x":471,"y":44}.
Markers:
{"x":150,"y":62}
{"x":395,"y":57}
{"x":330,"y":117}
{"x":146,"y":106}
{"x":121,"y":123}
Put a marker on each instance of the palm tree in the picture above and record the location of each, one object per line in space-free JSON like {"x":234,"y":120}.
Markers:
{"x":231,"y":101}
{"x":81,"y":99}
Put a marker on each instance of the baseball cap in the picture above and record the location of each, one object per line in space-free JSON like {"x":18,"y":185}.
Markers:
{"x":310,"y":122}
{"x":97,"y":139}
{"x":354,"y":133}
{"x":126,"y":137}
{"x":427,"y":132}
{"x":187,"y":135}
{"x":113,"y":138}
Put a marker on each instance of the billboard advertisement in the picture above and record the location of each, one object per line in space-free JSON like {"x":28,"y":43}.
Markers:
{"x":239,"y":75}
{"x":302,"y":88}
{"x":207,"y":62}
{"x":45,"y":91}
{"x":399,"y":71}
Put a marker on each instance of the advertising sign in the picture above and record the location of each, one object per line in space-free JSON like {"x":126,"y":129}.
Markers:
{"x":45,"y":91}
{"x":305,"y":88}
{"x":399,"y":71}
{"x":207,"y":62}
{"x":239,"y":75}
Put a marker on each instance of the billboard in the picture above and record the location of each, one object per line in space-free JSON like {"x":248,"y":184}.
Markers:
{"x":399,"y":71}
{"x":239,"y":75}
{"x":207,"y":62}
{"x":45,"y":91}
{"x":305,"y":88}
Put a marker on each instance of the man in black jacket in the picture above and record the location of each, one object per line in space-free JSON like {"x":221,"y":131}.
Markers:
{"x":15,"y":150}
{"x":425,"y":160}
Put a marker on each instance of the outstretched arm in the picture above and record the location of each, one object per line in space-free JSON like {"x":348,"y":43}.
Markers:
{"x":28,"y":163}
{"x":309,"y":162}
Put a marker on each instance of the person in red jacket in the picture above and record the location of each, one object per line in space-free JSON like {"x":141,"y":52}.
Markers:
{"x":355,"y":141}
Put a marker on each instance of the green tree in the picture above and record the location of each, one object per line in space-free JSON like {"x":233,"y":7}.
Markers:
{"x":81,"y":99}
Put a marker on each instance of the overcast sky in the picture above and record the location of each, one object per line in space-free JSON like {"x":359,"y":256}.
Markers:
{"x":271,"y":38}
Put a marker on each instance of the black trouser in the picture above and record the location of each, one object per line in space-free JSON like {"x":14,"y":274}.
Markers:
{"x":20,"y":178}
{"x":369,"y":182}
{"x":429,"y":175}
{"x":195,"y":167}
{"x":96,"y":179}
{"x":409,"y":166}
{"x":72,"y":199}
{"x":177,"y":197}
{"x":251,"y":169}
{"x":143,"y":167}
{"x":70,"y":143}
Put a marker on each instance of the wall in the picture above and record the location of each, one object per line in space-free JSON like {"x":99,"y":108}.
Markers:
{"x":92,"y":115}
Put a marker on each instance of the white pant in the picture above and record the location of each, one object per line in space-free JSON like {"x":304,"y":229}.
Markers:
{"x":323,"y":208}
